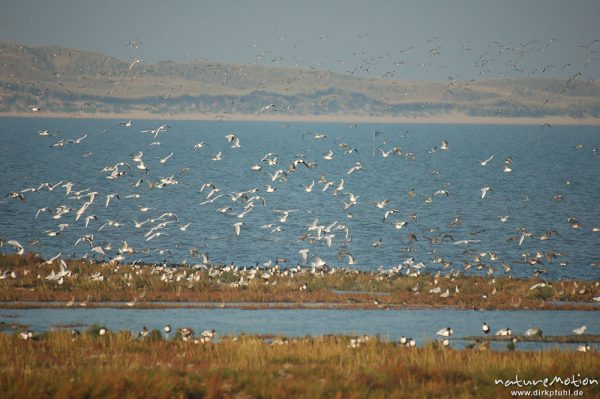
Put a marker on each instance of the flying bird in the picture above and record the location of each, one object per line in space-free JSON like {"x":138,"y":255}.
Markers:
{"x":484,"y":163}
{"x":484,"y":191}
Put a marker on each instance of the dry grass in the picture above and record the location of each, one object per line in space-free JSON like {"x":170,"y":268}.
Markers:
{"x":350,"y":289}
{"x":118,"y":366}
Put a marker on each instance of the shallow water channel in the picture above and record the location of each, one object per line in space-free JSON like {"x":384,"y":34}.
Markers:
{"x":421,"y":325}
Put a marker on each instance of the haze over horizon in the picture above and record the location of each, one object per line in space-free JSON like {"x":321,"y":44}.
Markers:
{"x":399,"y":40}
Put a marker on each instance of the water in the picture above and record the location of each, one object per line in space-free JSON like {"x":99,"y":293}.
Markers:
{"x":543,"y":161}
{"x":390,"y":324}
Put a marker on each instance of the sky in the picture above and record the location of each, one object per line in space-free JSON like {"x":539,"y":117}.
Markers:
{"x":406,"y":40}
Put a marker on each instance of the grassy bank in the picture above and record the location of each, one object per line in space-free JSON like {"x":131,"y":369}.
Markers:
{"x":91,"y":284}
{"x":116,"y":365}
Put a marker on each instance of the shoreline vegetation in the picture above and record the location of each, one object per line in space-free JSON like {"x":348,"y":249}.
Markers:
{"x":61,"y":364}
{"x":31,"y":282}
{"x":447,"y":118}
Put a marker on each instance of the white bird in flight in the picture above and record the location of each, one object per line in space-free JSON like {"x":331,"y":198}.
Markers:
{"x":484,"y":191}
{"x":484,"y":163}
{"x":135,"y":62}
{"x":165,"y":159}
{"x":238,"y":226}
{"x":269,"y":107}
{"x":17,"y":245}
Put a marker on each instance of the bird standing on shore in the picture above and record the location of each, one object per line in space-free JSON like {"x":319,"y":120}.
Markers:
{"x":580,"y":330}
{"x":445,"y":332}
{"x":505,"y":332}
{"x":485,"y":328}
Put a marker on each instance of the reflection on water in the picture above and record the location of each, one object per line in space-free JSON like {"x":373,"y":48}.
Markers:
{"x":390,"y":324}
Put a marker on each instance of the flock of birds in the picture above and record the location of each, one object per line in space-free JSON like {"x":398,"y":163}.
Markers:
{"x":187,"y":334}
{"x":447,"y":332}
{"x":85,"y":203}
{"x":534,"y":59}
{"x":238,"y":205}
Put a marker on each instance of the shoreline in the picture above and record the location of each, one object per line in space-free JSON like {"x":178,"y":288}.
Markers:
{"x":104,"y":285}
{"x":452,"y":118}
{"x":249,"y":305}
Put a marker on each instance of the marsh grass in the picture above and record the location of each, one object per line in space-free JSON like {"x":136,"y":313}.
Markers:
{"x":122,"y":283}
{"x":117,"y":365}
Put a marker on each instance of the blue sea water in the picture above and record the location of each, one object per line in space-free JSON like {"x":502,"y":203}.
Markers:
{"x":421,"y":325}
{"x":546,"y":162}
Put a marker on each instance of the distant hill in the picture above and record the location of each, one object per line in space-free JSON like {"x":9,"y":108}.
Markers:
{"x":58,"y":79}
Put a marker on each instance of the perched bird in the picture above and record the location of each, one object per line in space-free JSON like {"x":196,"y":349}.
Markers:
{"x":504,"y":332}
{"x":209,"y":333}
{"x":186,"y":333}
{"x":143,"y":332}
{"x":485,"y":328}
{"x":532,"y":332}
{"x":580,"y":330}
{"x":584,"y":348}
{"x":445,"y":332}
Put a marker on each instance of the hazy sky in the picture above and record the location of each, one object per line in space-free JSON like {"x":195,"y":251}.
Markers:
{"x":400,"y":39}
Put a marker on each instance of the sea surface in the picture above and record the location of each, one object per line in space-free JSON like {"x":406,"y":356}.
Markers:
{"x":554,"y":186}
{"x":421,"y":325}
